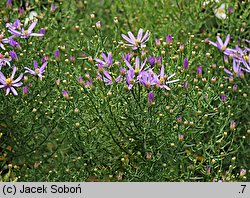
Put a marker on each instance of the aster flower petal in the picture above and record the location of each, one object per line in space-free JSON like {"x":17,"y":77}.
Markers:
{"x":172,"y":81}
{"x":127,"y":39}
{"x":2,"y":77}
{"x":139,"y":35}
{"x":227,"y":40}
{"x":145,"y":37}
{"x":43,"y":67}
{"x":36,"y":34}
{"x":13,"y":91}
{"x":14,"y":32}
{"x":7,"y":91}
{"x":17,"y":84}
{"x":28,"y":70}
{"x":162,"y":72}
{"x":109,"y":60}
{"x":137,"y":63}
{"x":104,"y":56}
{"x":220,"y":42}
{"x":100,"y":61}
{"x":228,"y":72}
{"x":171,"y":76}
{"x":215,"y":44}
{"x":13,"y":73}
{"x":32,"y":26}
{"x":131,"y":36}
{"x":134,"y":47}
{"x":128,"y":64}
{"x":35,"y":65}
{"x":18,"y":79}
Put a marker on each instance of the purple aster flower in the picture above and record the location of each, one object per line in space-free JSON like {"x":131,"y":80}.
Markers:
{"x":12,"y":42}
{"x":230,"y":10}
{"x":138,"y":42}
{"x":107,"y":78}
{"x":38,"y":71}
{"x":158,"y":60}
{"x":236,"y":69}
{"x":246,"y":64}
{"x":57,"y":54}
{"x":45,"y":59}
{"x":232,"y":125}
{"x":157,"y":42}
{"x":130,"y":78}
{"x":127,"y":56}
{"x":88,"y":83}
{"x":122,"y":72}
{"x":160,"y":80}
{"x":65,"y":94}
{"x":80,"y":80}
{"x":199,"y":71}
{"x":169,"y":38}
{"x":185,"y":64}
{"x":25,"y":90}
{"x":209,"y":169}
{"x":179,"y":119}
{"x":185,"y":85}
{"x":106,"y":62}
{"x":58,"y":82}
{"x":222,"y":46}
{"x":10,"y":83}
{"x":151,"y":60}
{"x":8,"y":40}
{"x":151,"y":98}
{"x":72,"y":58}
{"x":52,"y":7}
{"x":16,"y":25}
{"x":243,"y":172}
{"x":238,"y":53}
{"x":147,"y":78}
{"x":4,"y":61}
{"x":9,"y":3}
{"x":98,"y":25}
{"x":42,"y":31}
{"x":235,"y":87}
{"x":223,"y":97}
{"x":180,"y":137}
{"x":21,"y":11}
{"x":25,"y":33}
{"x":13,"y":55}
{"x":138,"y":66}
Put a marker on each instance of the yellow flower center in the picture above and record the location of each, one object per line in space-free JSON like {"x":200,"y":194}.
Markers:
{"x":147,"y":84}
{"x":162,"y":80}
{"x":8,"y":82}
{"x":221,"y":11}
{"x":246,"y":58}
{"x":137,"y":42}
{"x":223,"y":48}
{"x":37,"y":71}
{"x":137,"y":70}
{"x":131,"y":81}
{"x":26,"y":32}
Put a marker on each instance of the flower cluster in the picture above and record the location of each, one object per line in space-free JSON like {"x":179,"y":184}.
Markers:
{"x":7,"y":58}
{"x":133,"y":70}
{"x":241,"y":57}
